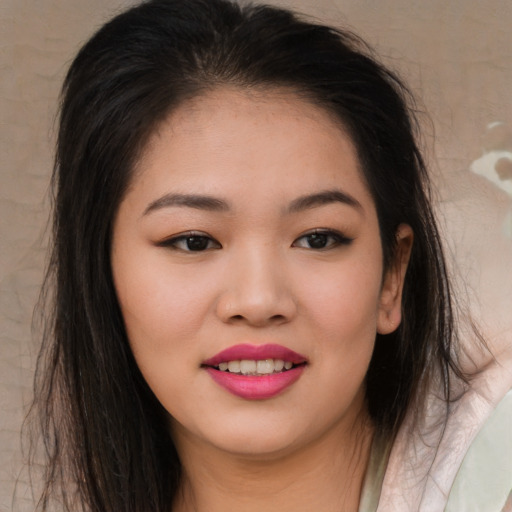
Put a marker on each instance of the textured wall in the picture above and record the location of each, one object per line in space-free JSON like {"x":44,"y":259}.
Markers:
{"x":457,"y":55}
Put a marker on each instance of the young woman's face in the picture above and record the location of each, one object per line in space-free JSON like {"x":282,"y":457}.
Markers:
{"x":248,"y":234}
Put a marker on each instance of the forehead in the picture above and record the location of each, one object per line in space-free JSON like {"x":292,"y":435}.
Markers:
{"x":262,"y":140}
{"x":234,"y":104}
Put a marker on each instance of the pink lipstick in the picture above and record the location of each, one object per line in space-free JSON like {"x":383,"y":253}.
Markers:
{"x":289,"y":366}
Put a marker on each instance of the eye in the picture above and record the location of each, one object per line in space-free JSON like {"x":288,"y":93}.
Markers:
{"x":321,"y":239}
{"x":191,"y":242}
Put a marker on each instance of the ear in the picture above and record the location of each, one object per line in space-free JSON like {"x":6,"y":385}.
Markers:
{"x":390,"y":305}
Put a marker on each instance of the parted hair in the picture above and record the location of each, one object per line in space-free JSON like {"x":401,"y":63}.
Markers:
{"x":105,"y":433}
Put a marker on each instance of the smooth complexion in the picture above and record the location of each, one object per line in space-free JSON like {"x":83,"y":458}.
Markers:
{"x":248,"y":222}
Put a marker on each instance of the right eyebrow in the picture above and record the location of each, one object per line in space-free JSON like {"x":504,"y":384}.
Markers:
{"x":199,"y":202}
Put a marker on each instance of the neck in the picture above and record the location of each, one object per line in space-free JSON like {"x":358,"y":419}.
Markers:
{"x":326,"y":475}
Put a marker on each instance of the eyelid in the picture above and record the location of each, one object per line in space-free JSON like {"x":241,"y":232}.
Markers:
{"x":340,"y":238}
{"x":171,"y":242}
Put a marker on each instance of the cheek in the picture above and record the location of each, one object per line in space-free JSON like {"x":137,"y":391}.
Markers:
{"x":163,"y":313}
{"x":347,"y":300}
{"x":161,"y":307}
{"x":343,"y":311}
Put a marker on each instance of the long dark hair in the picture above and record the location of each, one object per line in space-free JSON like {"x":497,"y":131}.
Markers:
{"x":105,"y":433}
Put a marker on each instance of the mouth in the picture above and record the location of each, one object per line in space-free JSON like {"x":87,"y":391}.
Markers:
{"x":255,"y":367}
{"x":255,"y":372}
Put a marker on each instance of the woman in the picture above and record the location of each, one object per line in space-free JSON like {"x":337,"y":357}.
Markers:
{"x":250,"y":287}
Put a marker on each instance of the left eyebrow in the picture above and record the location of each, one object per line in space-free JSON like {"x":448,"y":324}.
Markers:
{"x":323,"y":198}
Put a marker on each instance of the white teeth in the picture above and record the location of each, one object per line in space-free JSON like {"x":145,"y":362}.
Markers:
{"x":253,"y":367}
{"x":234,"y":366}
{"x":278,"y":365}
{"x":266,"y":366}
{"x":247,"y":366}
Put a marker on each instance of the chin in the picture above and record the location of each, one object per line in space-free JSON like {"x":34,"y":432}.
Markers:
{"x":259,"y":447}
{"x":245,"y":437}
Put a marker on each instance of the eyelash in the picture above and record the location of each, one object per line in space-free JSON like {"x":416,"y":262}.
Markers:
{"x":185,"y":238}
{"x":336,"y":237}
{"x":205,"y":241}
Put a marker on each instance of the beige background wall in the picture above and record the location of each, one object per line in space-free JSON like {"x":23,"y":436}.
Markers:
{"x":456,"y":54}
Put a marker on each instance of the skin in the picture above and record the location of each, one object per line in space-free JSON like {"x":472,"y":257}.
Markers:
{"x":258,"y":281}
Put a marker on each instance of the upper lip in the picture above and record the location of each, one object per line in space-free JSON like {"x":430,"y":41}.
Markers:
{"x":255,"y":352}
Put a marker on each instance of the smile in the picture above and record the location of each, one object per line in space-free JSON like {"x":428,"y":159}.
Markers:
{"x":253,"y":367}
{"x":255,"y":372}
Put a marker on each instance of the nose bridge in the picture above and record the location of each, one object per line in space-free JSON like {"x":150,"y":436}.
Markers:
{"x":257,"y":289}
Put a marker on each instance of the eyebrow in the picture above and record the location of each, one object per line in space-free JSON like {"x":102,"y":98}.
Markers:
{"x":215,"y":204}
{"x":199,"y":202}
{"x":323,"y":198}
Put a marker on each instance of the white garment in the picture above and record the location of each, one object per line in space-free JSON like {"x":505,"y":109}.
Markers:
{"x":469,"y":470}
{"x":484,"y":481}
{"x":421,"y":469}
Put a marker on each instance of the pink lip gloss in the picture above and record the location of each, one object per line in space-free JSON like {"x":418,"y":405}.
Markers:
{"x":255,"y":387}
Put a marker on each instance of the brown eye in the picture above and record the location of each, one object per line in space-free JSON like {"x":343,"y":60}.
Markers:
{"x":197,"y":243}
{"x":191,"y":243}
{"x":319,"y":240}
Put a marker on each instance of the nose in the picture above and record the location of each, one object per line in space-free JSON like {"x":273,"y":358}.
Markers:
{"x":257,"y":290}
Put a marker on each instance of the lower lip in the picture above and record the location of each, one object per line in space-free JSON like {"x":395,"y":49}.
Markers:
{"x":252,"y":387}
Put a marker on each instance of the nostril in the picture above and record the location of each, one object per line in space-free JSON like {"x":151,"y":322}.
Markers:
{"x":255,"y":309}
{"x":274,"y":319}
